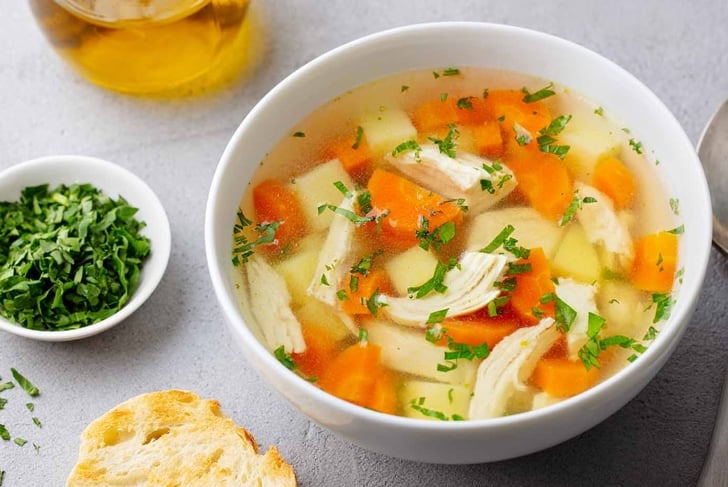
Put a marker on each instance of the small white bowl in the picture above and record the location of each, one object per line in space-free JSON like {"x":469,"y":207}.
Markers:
{"x":114,"y":181}
{"x":461,"y":44}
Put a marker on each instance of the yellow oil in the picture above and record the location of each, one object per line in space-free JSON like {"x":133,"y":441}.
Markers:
{"x":168,"y":47}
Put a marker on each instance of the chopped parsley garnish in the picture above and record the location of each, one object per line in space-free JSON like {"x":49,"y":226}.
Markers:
{"x":418,"y":405}
{"x":456,"y":351}
{"x":636,"y":146}
{"x":515,"y":269}
{"x":436,"y":282}
{"x":4,"y":433}
{"x":589,"y":352}
{"x":443,"y":96}
{"x":675,"y":205}
{"x":403,"y":88}
{"x":25,"y":384}
{"x":485,"y":93}
{"x":341,"y":295}
{"x":465,"y":103}
{"x":3,"y":402}
{"x":679,"y":230}
{"x":407,"y":146}
{"x":544,"y":92}
{"x":69,"y":256}
{"x":448,"y":144}
{"x":324,"y":280}
{"x":523,"y":136}
{"x":348,"y":214}
{"x":364,"y":201}
{"x":365,"y":263}
{"x":575,"y":205}
{"x":243,"y":249}
{"x":556,"y":126}
{"x":486,"y":185}
{"x":299,"y":134}
{"x":437,"y":316}
{"x":663,"y":306}
{"x":374,"y":302}
{"x":363,"y":335}
{"x":564,"y":315}
{"x":460,"y":202}
{"x":599,"y":111}
{"x":343,"y":189}
{"x":6,"y":386}
{"x":438,"y":237}
{"x":450,"y":71}
{"x":498,"y":240}
{"x":285,"y":358}
{"x":546,"y":141}
{"x":20,"y":441}
{"x":359,"y":135}
{"x":36,"y":421}
{"x":435,"y":333}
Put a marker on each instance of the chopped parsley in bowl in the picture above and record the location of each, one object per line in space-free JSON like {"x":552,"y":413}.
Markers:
{"x":83,"y":243}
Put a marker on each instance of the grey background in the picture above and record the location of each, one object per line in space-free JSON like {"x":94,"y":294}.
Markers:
{"x":178,"y":339}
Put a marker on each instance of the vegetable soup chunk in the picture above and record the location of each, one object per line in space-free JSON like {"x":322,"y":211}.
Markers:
{"x":471,"y":247}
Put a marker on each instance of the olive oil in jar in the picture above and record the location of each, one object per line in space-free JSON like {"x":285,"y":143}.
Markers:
{"x":149,"y":46}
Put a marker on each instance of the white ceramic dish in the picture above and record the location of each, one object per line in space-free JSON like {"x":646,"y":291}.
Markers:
{"x":113,"y":180}
{"x":622,"y":97}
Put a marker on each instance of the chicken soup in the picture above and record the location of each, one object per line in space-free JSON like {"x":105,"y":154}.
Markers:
{"x":457,"y":244}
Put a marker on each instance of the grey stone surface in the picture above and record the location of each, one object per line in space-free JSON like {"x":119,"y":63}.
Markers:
{"x":178,"y":339}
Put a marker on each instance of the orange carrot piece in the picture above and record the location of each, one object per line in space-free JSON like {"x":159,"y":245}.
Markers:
{"x":355,"y":160}
{"x":375,"y":281}
{"x":561,"y":377}
{"x":384,"y":394}
{"x":509,"y":105}
{"x":275,"y":202}
{"x":612,"y":178}
{"x":488,"y":139}
{"x":655,"y":262}
{"x":436,"y":114}
{"x":476,"y":332}
{"x":543,"y":179}
{"x":321,"y":349}
{"x":531,"y":286}
{"x":357,"y":375}
{"x":408,"y":204}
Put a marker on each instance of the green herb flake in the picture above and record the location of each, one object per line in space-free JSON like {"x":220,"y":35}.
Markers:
{"x":435,"y":333}
{"x":30,"y":406}
{"x":435,"y":74}
{"x":25,"y":384}
{"x":341,"y":295}
{"x":436,"y":238}
{"x":374,"y":302}
{"x":498,"y":240}
{"x":406,"y":146}
{"x":363,"y":335}
{"x":465,"y":103}
{"x":544,"y":92}
{"x":36,"y":421}
{"x":358,"y":137}
{"x":244,"y":249}
{"x":523,"y":136}
{"x":636,"y":146}
{"x":485,"y":93}
{"x":564,"y":314}
{"x":348,"y":214}
{"x":4,"y":433}
{"x":20,"y":441}
{"x":403,"y":88}
{"x":450,"y":71}
{"x":3,"y":402}
{"x":599,"y":111}
{"x":443,"y":96}
{"x":448,"y":144}
{"x":515,"y":269}
{"x":2,"y":476}
{"x":436,"y":282}
{"x":437,"y":316}
{"x":7,"y":385}
{"x":675,"y":205}
{"x":663,"y":306}
{"x":651,"y":334}
{"x":285,"y":358}
{"x":299,"y":134}
{"x":679,"y":230}
{"x":417,"y":405}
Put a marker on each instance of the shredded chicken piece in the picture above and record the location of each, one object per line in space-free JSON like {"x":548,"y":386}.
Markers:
{"x":458,"y":177}
{"x":603,"y":225}
{"x":270,"y":303}
{"x":470,"y":286}
{"x":508,"y":367}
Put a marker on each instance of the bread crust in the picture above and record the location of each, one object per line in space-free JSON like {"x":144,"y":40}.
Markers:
{"x":173,"y":439}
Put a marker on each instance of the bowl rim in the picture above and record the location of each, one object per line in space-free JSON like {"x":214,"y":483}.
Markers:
{"x":258,"y":356}
{"x":155,"y":217}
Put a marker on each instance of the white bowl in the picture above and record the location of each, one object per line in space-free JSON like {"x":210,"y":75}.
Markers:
{"x":462,"y":44}
{"x":114,"y":181}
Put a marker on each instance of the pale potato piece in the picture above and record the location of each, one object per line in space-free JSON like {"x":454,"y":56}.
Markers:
{"x":450,"y":400}
{"x":622,"y":306}
{"x":589,"y":138}
{"x":576,"y":256}
{"x":298,"y":269}
{"x":314,"y":312}
{"x":317,"y":187}
{"x":386,"y":128}
{"x":531,"y":229}
{"x":413,"y":267}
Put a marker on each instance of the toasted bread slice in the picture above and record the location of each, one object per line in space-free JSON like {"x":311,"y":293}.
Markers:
{"x":173,"y":438}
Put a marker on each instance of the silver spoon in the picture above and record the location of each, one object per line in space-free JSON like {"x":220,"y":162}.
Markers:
{"x":713,"y":152}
